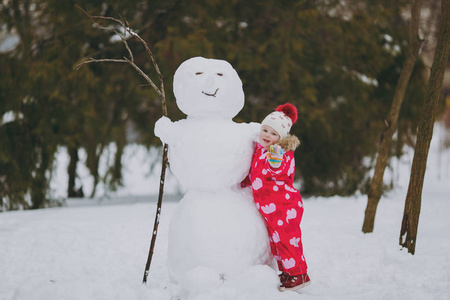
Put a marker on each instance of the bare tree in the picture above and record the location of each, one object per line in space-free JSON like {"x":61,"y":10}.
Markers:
{"x":415,"y":44}
{"x":127,"y":32}
{"x":410,"y":222}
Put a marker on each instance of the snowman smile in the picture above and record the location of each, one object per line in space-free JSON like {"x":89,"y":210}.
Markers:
{"x":212,"y":95}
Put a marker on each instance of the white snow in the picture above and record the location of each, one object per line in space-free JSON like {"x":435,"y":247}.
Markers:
{"x":9,"y":42}
{"x":10,"y":116}
{"x":97,"y":249}
{"x":100,"y":251}
{"x":141,"y":174}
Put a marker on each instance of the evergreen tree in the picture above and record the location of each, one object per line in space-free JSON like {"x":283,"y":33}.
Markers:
{"x":336,"y":61}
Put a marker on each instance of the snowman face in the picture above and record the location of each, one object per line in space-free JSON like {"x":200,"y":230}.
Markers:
{"x":208,"y":88}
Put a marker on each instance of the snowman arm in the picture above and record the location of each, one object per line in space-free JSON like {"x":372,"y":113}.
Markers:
{"x":164,"y":129}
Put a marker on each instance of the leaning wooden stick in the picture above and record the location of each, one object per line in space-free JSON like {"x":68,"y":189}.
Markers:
{"x":159,"y":90}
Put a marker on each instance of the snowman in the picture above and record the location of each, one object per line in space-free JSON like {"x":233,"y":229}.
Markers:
{"x":216,"y":231}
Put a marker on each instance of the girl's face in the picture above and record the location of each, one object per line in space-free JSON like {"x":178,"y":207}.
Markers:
{"x":268,"y":136}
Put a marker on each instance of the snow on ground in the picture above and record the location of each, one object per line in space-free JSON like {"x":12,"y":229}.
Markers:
{"x":99,"y":251}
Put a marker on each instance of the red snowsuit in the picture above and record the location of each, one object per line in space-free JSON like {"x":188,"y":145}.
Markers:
{"x":281,"y":206}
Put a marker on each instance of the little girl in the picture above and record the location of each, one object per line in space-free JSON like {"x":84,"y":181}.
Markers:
{"x":271,"y":177}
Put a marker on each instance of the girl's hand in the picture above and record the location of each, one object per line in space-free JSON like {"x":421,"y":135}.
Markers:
{"x":275,"y":156}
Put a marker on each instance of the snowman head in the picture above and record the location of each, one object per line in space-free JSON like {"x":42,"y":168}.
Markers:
{"x":208,"y":88}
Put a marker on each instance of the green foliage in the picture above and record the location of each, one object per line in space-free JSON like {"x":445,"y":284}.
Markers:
{"x":337,"y":62}
{"x":338,"y":65}
{"x":58,"y":107}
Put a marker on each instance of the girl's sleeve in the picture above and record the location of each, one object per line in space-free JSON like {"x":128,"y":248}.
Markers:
{"x":290,"y":167}
{"x":246,"y":182}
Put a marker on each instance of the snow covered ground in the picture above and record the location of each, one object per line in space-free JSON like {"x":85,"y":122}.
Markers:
{"x":98,"y":249}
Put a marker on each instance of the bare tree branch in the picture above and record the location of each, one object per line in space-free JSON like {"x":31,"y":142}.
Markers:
{"x":126,"y":29}
{"x":160,"y":91}
{"x":150,"y":53}
{"x":92,"y":60}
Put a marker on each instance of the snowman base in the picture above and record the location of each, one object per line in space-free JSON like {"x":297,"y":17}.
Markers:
{"x":217,"y":233}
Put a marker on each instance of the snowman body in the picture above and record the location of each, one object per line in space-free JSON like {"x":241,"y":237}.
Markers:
{"x":216,"y":225}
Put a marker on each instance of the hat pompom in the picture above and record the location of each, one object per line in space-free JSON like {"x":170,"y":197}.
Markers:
{"x":289,"y":110}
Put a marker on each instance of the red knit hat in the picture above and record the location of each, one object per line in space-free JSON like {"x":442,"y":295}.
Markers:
{"x":282,"y":119}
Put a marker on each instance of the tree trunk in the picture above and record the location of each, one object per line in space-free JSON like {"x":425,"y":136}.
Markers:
{"x":115,"y":172}
{"x":72,"y":171}
{"x":376,"y":185}
{"x":39,"y":184}
{"x":95,"y":174}
{"x":410,"y":222}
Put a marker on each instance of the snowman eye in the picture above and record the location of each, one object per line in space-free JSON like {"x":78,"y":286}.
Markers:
{"x":199,"y":73}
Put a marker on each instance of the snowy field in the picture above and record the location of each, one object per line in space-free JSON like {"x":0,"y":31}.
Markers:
{"x":98,"y":249}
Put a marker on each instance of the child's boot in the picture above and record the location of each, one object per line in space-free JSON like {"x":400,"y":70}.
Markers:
{"x":283,"y":277}
{"x":295,"y":282}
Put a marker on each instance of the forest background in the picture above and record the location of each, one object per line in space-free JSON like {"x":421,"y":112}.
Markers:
{"x":337,"y":61}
